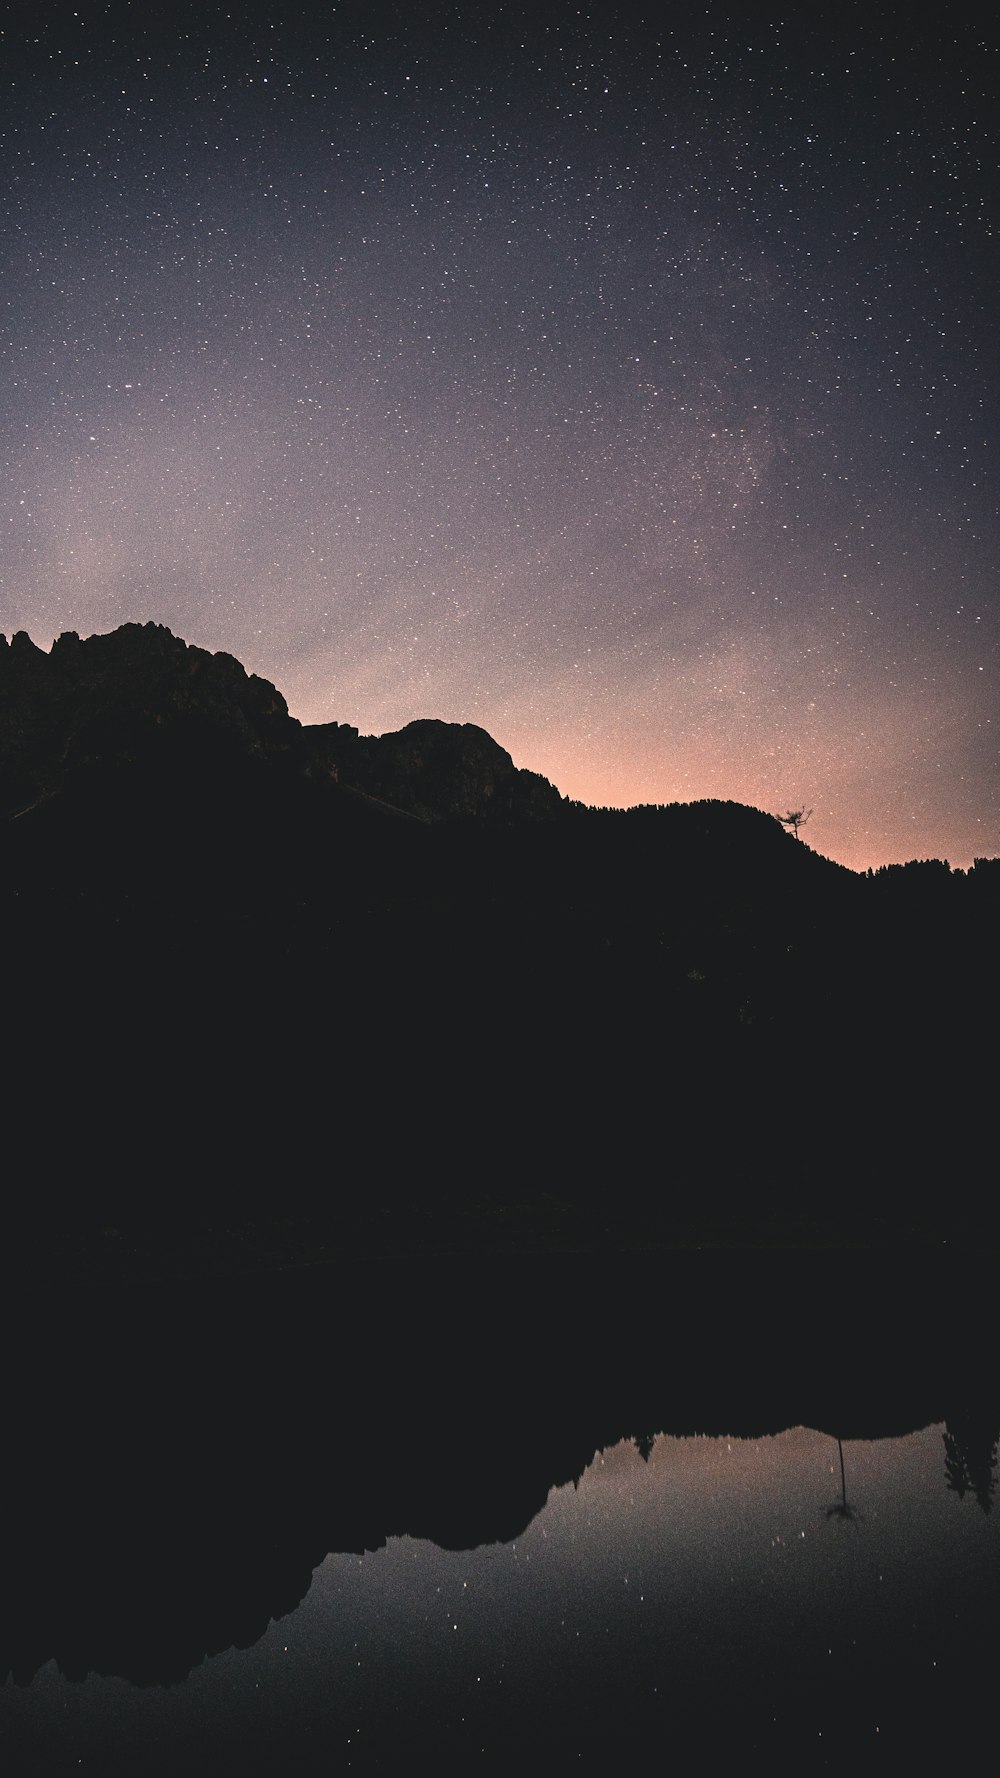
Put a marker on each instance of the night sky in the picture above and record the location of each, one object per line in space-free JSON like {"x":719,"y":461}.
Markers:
{"x":625,"y":385}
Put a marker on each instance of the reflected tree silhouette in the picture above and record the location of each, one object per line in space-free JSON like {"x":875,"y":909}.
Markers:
{"x":842,"y":1508}
{"x":970,"y":1458}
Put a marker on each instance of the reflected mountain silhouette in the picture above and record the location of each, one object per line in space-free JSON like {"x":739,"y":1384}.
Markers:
{"x":183,"y":1458}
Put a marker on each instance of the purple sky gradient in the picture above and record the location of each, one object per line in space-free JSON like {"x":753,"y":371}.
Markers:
{"x":628,"y":390}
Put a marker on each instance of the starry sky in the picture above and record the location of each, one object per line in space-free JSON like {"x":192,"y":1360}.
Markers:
{"x":624,"y":385}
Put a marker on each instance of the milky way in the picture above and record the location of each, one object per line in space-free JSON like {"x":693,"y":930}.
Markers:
{"x":626,"y":388}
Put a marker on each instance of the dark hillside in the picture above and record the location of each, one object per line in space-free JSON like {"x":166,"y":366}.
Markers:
{"x":400,"y":989}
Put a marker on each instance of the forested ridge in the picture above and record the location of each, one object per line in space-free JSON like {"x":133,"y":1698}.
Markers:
{"x":393,"y":990}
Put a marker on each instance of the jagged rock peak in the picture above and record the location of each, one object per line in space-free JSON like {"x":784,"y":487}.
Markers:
{"x":21,"y":645}
{"x":112,"y":698}
{"x":146,"y":659}
{"x":436,"y":770}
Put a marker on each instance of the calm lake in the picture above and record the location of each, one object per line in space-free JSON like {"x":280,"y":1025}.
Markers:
{"x":474,"y":1514}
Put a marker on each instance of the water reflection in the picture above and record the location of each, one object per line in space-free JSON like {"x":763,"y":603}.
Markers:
{"x":841,"y":1509}
{"x":970,"y":1443}
{"x":515,"y":1570}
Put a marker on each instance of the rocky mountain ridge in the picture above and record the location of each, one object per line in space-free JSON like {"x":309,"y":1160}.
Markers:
{"x":116,"y":697}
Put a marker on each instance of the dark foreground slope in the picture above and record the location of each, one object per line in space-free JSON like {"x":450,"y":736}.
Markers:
{"x":395,"y":990}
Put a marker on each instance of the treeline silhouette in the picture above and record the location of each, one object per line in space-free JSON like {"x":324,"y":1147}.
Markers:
{"x":400,"y":990}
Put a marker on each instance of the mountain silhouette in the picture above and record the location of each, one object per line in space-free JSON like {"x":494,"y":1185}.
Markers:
{"x":397,"y":987}
{"x":141,"y":696}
